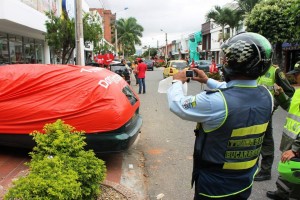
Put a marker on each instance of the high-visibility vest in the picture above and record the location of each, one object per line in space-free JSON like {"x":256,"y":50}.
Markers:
{"x":268,"y":79}
{"x":225,"y":159}
{"x":292,"y":124}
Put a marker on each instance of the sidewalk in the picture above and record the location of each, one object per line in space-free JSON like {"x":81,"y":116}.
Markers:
{"x":12,"y":166}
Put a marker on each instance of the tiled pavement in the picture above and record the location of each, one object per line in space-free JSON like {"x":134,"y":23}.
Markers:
{"x":12,"y":165}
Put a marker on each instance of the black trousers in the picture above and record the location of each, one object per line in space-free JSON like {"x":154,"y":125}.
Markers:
{"x":267,"y":151}
{"x":241,"y":196}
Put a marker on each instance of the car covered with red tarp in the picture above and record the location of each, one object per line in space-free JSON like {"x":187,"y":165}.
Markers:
{"x":91,"y":99}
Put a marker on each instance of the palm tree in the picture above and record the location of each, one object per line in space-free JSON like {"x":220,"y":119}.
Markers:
{"x":129,"y":33}
{"x":233,"y":18}
{"x":220,"y":16}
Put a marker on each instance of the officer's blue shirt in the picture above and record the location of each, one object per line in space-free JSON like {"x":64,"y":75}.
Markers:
{"x":209,"y":110}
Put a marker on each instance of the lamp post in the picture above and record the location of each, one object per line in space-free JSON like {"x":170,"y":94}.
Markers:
{"x":116,"y":31}
{"x":166,"y":56}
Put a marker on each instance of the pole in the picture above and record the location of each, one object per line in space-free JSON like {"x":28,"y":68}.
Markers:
{"x":166,"y":45}
{"x":79,"y":34}
{"x":116,"y":36}
{"x":149,"y":51}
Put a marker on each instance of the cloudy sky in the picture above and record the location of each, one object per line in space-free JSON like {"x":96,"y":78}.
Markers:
{"x":177,"y":18}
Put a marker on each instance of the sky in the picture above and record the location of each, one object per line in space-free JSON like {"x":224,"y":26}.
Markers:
{"x":176,"y":18}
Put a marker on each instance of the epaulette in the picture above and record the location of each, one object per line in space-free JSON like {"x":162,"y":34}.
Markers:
{"x":210,"y":91}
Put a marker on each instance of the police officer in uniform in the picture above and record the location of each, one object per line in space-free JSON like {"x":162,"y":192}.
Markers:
{"x":231,"y":120}
{"x":273,"y":76}
{"x":290,"y":141}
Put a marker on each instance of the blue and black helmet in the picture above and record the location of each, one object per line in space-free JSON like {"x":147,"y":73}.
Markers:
{"x":248,"y":54}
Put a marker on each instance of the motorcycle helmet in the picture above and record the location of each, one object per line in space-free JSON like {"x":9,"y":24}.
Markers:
{"x":248,"y":54}
{"x":290,"y":170}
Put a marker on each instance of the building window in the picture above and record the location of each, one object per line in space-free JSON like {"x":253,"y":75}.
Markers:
{"x":15,"y":49}
{"x":4,"y":50}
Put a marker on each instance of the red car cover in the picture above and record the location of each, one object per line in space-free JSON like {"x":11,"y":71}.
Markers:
{"x":87,"y":98}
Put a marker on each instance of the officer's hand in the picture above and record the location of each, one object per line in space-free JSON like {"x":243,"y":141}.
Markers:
{"x":181,"y":75}
{"x":287,"y":155}
{"x":277,"y":90}
{"x":201,"y":76}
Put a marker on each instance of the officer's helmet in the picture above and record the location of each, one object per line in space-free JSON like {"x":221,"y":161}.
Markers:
{"x":290,"y":170}
{"x":248,"y":54}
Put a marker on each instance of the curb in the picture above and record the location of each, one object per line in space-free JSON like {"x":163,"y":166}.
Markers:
{"x":128,"y":193}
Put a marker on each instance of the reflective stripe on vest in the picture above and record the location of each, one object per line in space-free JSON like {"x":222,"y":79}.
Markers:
{"x":252,"y":130}
{"x":292,"y":124}
{"x":268,"y":79}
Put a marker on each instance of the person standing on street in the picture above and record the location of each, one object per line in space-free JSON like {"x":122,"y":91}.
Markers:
{"x":134,"y":71}
{"x":273,"y":76}
{"x":231,"y":120}
{"x":290,"y":141}
{"x":141,"y":70}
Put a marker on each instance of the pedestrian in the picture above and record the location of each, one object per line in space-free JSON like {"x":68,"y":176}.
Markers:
{"x":273,"y":76}
{"x":124,"y":62}
{"x":213,"y":67}
{"x":290,"y":141}
{"x":141,"y":71}
{"x":134,"y":71}
{"x":193,"y":65}
{"x":231,"y":120}
{"x":89,"y":59}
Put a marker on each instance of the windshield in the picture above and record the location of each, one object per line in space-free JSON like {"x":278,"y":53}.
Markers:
{"x":178,"y":65}
{"x":205,"y":62}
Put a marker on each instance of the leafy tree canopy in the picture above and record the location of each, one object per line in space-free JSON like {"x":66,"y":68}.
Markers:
{"x":271,"y":19}
{"x":61,"y":33}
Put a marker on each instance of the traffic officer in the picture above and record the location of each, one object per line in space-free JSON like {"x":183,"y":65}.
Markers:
{"x":273,"y":76}
{"x":290,"y":141}
{"x":231,"y":120}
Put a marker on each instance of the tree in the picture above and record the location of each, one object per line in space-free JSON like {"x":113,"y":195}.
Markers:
{"x":129,"y":33}
{"x":271,"y":19}
{"x":61,"y":33}
{"x":153,"y":52}
{"x":294,"y":12}
{"x":221,"y":16}
{"x":92,"y":30}
{"x":233,"y":19}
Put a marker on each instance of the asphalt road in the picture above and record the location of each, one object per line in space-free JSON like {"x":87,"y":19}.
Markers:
{"x":161,"y":160}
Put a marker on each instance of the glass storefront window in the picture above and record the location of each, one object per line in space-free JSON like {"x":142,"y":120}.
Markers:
{"x":4,"y":53}
{"x":29,"y":50}
{"x":15,"y":49}
{"x":39,"y":51}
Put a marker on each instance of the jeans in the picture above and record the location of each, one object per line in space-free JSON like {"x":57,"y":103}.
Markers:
{"x":142,"y":85}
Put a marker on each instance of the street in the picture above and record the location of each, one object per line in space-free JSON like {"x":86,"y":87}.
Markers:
{"x":166,"y":143}
{"x":159,"y":164}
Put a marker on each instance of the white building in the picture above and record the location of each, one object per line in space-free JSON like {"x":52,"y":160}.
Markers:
{"x":22,"y":29}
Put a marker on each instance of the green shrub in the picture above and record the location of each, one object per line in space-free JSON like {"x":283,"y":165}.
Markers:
{"x":60,"y":168}
{"x":48,"y":179}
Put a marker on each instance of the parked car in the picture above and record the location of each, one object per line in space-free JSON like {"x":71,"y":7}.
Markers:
{"x":122,"y":70}
{"x":94,"y":64}
{"x":204,"y":65}
{"x":149,"y":64}
{"x":173,"y":67}
{"x":91,"y":99}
